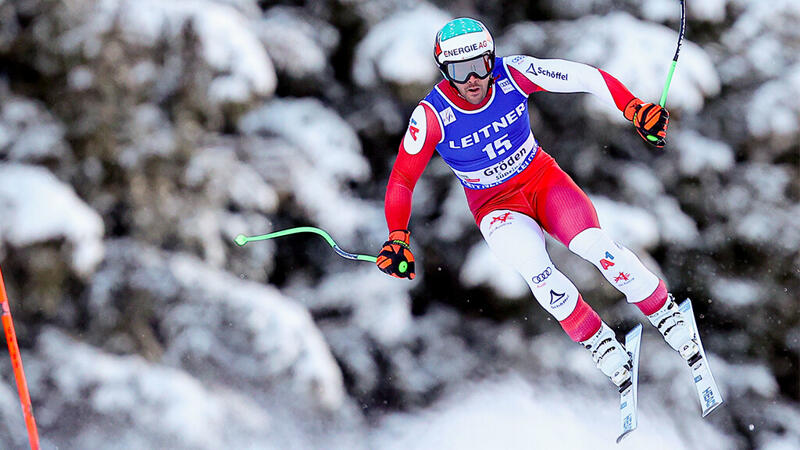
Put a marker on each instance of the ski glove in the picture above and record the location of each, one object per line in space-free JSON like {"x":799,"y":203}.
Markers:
{"x":395,"y":257}
{"x":650,"y":120}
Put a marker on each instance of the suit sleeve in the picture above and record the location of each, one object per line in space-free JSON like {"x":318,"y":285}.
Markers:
{"x":423,"y":133}
{"x":562,"y":76}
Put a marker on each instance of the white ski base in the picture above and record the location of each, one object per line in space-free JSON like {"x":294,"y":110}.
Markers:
{"x":707,"y":390}
{"x":628,"y":398}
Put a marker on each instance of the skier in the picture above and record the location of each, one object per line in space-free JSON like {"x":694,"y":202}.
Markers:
{"x":477,"y":119}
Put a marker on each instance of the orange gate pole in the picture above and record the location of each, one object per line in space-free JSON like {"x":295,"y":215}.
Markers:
{"x":16,"y":363}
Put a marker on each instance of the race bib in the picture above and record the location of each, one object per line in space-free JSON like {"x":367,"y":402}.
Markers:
{"x":503,"y":169}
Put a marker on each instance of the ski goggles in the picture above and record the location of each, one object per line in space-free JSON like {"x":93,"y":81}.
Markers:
{"x":460,"y":71}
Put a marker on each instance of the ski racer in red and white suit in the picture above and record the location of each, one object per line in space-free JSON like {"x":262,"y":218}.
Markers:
{"x":515,"y":190}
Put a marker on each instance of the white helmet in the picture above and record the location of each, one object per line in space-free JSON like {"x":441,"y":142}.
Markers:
{"x":464,"y":47}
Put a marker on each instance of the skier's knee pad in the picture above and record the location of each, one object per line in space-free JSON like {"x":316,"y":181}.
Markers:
{"x":617,"y":264}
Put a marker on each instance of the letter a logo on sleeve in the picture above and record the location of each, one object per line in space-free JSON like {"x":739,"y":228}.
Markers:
{"x":606,"y":262}
{"x":412,"y":129}
{"x":416,"y":132}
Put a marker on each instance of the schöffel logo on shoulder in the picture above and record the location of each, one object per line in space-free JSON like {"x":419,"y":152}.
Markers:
{"x":547,"y":73}
{"x":466,"y":49}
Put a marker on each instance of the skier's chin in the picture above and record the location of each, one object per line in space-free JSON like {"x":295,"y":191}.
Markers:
{"x":474,"y":94}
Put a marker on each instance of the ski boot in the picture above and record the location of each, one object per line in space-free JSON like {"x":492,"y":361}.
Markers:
{"x":610,"y":356}
{"x":672,"y":325}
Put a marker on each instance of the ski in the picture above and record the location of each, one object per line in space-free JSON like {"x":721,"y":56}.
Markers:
{"x":707,"y":390}
{"x":628,"y":394}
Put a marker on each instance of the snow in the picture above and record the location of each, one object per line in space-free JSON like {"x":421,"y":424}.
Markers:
{"x":10,"y":411}
{"x":640,"y":180}
{"x":225,"y":180}
{"x":456,"y":216}
{"x":317,"y":131}
{"x":387,"y":321}
{"x":281,"y":335}
{"x":38,"y":207}
{"x":80,"y":78}
{"x":777,"y":15}
{"x":229,"y":45}
{"x":298,"y":45}
{"x":214,"y":323}
{"x":135,"y":404}
{"x":153,"y":135}
{"x":327,"y":155}
{"x":481,"y":267}
{"x":633,"y":227}
{"x":28,"y":132}
{"x":230,"y":179}
{"x":235,"y":363}
{"x":511,"y":413}
{"x":392,"y":50}
{"x":756,"y":41}
{"x":773,"y":110}
{"x":675,"y":226}
{"x":708,"y":10}
{"x":713,"y":11}
{"x":736,"y":293}
{"x":636,"y":52}
{"x":698,"y":153}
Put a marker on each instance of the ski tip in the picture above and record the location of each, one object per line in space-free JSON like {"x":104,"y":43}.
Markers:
{"x":240,"y":240}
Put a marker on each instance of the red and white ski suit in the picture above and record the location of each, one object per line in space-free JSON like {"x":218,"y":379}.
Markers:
{"x":512,"y":214}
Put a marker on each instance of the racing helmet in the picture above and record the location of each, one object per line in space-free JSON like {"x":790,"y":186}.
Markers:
{"x":464,"y":47}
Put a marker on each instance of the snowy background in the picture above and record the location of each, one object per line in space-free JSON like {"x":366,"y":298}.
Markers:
{"x":138,"y":137}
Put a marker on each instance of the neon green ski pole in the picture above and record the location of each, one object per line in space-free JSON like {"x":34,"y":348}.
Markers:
{"x":241,"y":240}
{"x":672,"y":66}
